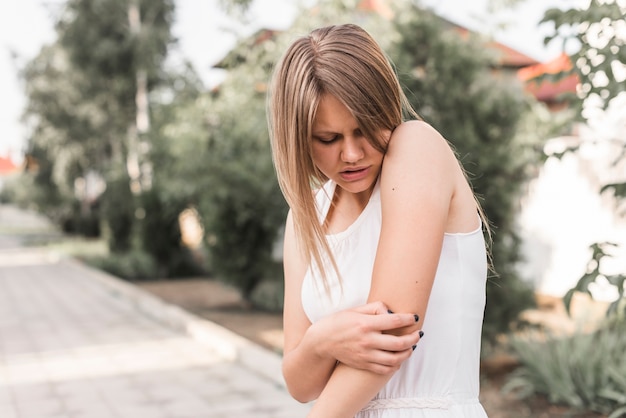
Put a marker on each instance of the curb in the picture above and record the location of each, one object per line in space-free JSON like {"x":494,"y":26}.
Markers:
{"x":227,"y":344}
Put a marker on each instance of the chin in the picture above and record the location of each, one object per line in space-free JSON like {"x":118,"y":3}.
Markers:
{"x":357,"y":186}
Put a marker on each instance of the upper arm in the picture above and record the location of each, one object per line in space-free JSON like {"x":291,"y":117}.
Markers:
{"x":295,"y":321}
{"x":417,"y":185}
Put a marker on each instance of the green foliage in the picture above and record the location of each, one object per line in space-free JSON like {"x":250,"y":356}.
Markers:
{"x":36,"y":190}
{"x":594,"y":36}
{"x":83,"y":221}
{"x":81,"y":94}
{"x":593,"y":273}
{"x":449,"y":81}
{"x":242,"y":207}
{"x":101,"y":42}
{"x":587,"y":372}
{"x":618,"y":189}
{"x":118,"y":211}
{"x":213,"y":152}
{"x":160,"y":235}
{"x":130,"y":265}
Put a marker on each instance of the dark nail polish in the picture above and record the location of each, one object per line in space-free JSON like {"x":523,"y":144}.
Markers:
{"x":389,"y":311}
{"x":414,"y":347}
{"x":421,"y":334}
{"x":417,"y":318}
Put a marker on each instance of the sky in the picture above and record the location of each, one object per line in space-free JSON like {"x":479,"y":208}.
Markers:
{"x":26,"y":25}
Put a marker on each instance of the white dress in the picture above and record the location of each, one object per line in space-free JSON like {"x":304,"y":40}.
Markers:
{"x":441,"y":378}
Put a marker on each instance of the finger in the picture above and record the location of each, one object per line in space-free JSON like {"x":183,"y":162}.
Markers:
{"x":393,"y":321}
{"x":392,"y":343}
{"x":387,"y":359}
{"x":372,"y":308}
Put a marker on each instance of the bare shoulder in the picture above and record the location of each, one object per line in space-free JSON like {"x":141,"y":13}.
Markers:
{"x":419,"y":156}
{"x":417,"y":127}
{"x":417,"y":141}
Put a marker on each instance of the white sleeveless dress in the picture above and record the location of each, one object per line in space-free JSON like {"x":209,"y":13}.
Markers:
{"x":441,"y":378}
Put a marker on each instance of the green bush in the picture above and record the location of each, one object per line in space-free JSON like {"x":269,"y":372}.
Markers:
{"x":82,"y":221}
{"x":160,"y":235}
{"x":268,"y":295}
{"x":584,"y":371}
{"x":243,"y":230}
{"x":118,"y":213}
{"x":133,"y":265}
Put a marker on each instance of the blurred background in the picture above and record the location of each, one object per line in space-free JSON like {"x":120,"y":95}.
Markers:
{"x":137,"y":128}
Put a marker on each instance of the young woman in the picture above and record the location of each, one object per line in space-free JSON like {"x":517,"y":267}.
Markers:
{"x":384,"y":258}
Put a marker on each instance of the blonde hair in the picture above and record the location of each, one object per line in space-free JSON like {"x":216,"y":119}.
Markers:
{"x":346,"y":62}
{"x":343,"y":61}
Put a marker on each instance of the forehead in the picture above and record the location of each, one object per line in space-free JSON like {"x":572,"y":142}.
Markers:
{"x":332,"y":114}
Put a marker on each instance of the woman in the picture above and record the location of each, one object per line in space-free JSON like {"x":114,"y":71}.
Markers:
{"x":383,"y":241}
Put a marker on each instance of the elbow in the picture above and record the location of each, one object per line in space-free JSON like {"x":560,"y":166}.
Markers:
{"x":303,"y":398}
{"x":300,"y":388}
{"x":302,"y":395}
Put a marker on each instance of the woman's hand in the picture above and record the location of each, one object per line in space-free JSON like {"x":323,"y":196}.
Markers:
{"x":357,"y":338}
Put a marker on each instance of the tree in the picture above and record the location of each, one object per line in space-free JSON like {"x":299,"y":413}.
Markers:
{"x":63,"y":144}
{"x":595,"y":39}
{"x":242,"y":206}
{"x":120,"y":45}
{"x":87,"y":101}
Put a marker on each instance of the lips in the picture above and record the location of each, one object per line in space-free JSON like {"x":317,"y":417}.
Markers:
{"x":354,"y":174}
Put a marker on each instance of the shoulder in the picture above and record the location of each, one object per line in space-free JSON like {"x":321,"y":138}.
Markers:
{"x":419,"y":135}
{"x":416,"y":142}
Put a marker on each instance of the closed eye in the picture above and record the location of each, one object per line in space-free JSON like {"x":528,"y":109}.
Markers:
{"x":326,"y":139}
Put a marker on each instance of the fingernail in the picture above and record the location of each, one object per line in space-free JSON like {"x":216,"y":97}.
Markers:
{"x":414,"y":347}
{"x":417,"y":318}
{"x":421,"y":333}
{"x":389,"y":311}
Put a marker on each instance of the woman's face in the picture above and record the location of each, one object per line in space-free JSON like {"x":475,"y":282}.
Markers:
{"x":340,"y":150}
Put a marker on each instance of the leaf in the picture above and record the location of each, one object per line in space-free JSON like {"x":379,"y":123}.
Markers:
{"x":619,"y":189}
{"x":567,"y":300}
{"x":619,"y":412}
{"x":613,"y":395}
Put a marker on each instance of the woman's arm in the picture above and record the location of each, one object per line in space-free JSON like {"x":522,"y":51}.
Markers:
{"x":304,"y":368}
{"x":418,"y":182}
{"x":353,"y":336}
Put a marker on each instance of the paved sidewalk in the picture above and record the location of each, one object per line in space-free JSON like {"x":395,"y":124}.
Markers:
{"x":78,"y":343}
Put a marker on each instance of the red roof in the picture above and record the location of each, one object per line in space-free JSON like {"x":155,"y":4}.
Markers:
{"x":510,"y":57}
{"x":379,"y":6}
{"x":7,"y":166}
{"x":546,"y":90}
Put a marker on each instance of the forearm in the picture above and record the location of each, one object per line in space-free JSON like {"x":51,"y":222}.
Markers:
{"x":306,"y":370}
{"x":347,"y":392}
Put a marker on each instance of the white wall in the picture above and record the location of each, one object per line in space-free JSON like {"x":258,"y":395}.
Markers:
{"x":563,"y":213}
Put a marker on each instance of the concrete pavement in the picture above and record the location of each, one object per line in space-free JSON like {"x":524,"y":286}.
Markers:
{"x":79,"y":343}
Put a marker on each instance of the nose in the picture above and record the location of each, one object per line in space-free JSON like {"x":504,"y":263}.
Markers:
{"x":352,"y":149}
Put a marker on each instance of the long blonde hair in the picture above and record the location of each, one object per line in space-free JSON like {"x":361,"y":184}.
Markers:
{"x":343,"y":61}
